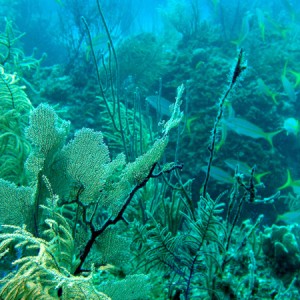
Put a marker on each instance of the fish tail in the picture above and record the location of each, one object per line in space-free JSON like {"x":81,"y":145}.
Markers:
{"x":274,"y":95}
{"x":278,"y":218}
{"x":221,"y":142}
{"x":270,"y":135}
{"x":288,"y":182}
{"x":259,"y":176}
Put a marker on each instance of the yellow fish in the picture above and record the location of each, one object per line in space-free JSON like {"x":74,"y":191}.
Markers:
{"x":244,"y":127}
{"x":294,"y":184}
{"x":264,"y":89}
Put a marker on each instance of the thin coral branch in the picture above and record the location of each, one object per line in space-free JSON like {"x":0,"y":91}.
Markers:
{"x":237,"y":71}
{"x":109,"y":222}
{"x":96,"y":233}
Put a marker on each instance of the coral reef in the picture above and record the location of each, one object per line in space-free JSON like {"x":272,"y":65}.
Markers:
{"x":281,"y":246}
{"x":97,"y":192}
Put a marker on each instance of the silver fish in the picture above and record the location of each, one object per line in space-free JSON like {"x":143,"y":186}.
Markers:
{"x":244,"y":127}
{"x":160,"y":104}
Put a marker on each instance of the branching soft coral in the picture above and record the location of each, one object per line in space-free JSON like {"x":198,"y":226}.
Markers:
{"x":45,"y":268}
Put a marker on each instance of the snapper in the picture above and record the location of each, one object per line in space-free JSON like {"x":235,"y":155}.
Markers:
{"x":160,"y":104}
{"x":244,"y":127}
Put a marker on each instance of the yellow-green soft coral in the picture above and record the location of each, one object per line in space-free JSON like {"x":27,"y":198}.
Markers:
{"x":14,"y":114}
{"x":87,"y":190}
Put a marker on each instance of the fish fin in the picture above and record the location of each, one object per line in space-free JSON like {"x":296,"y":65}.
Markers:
{"x":278,"y":218}
{"x":274,"y":95}
{"x":189,"y":123}
{"x":222,"y":141}
{"x":259,"y":176}
{"x":270,"y":135}
{"x":288,"y":182}
{"x":284,"y":71}
{"x":297,"y":75}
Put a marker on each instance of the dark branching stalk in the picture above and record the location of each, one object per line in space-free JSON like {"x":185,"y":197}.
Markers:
{"x":112,"y":221}
{"x":248,"y":195}
{"x":236,"y":73}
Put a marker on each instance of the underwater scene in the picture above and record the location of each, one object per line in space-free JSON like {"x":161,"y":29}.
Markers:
{"x":149,"y":149}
